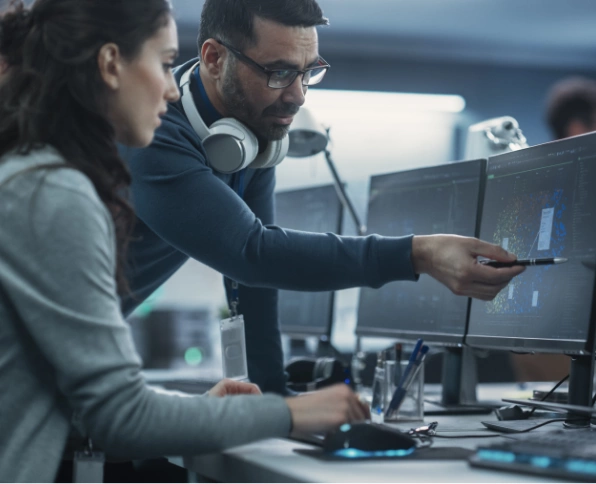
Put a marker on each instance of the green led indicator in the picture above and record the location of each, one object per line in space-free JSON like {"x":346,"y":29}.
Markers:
{"x":490,"y":177}
{"x":193,"y":356}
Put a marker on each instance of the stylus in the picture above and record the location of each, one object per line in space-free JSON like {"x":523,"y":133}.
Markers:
{"x":525,"y":262}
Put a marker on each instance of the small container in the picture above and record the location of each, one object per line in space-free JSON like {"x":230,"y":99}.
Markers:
{"x":412,"y":406}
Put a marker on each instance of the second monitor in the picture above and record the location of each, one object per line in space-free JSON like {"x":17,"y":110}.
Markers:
{"x":313,"y":209}
{"x":425,"y":201}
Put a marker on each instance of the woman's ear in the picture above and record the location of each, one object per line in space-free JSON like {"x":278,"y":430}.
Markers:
{"x":109,"y":62}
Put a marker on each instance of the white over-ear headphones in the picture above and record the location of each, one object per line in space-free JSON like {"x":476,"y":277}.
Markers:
{"x":229,"y":144}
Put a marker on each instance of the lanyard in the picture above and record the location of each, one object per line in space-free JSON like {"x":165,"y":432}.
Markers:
{"x":239,"y":189}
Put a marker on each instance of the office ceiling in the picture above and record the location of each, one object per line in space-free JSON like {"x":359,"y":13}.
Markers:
{"x":549,"y":33}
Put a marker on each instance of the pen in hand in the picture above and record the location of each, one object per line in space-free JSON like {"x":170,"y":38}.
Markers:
{"x":524,"y":262}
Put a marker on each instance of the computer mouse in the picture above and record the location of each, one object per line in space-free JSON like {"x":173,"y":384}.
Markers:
{"x":367,"y":436}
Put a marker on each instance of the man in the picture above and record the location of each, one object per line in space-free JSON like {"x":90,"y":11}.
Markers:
{"x":257,"y":59}
{"x":571,"y":107}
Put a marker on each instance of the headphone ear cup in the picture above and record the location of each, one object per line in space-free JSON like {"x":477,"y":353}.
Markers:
{"x":230,"y":146}
{"x":274,"y":154}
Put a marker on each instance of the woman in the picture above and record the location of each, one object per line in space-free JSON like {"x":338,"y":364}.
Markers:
{"x":83,"y":75}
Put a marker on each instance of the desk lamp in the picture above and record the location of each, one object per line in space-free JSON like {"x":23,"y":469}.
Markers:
{"x":308,"y":138}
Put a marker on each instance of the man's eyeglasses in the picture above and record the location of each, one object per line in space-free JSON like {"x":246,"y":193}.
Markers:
{"x":281,"y":78}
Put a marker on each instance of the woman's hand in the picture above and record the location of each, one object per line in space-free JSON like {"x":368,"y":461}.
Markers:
{"x":232,"y":387}
{"x":326,"y":409}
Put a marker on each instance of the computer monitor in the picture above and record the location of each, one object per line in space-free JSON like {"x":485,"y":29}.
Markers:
{"x":313,"y":209}
{"x":424,"y":201}
{"x":541,"y":202}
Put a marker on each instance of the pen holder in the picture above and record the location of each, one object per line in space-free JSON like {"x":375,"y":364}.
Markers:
{"x":412,"y":406}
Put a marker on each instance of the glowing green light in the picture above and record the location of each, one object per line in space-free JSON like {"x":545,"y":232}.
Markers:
{"x":193,"y":356}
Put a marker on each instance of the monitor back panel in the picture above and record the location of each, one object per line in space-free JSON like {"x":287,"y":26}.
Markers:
{"x":425,"y":201}
{"x":314,"y":209}
{"x":541,"y":202}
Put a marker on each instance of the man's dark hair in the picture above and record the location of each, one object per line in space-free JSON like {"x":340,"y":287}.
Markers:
{"x":571,"y":99}
{"x":233,"y":20}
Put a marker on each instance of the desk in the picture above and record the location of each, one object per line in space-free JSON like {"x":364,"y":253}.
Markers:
{"x":274,"y":460}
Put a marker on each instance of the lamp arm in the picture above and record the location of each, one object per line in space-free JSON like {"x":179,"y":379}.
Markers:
{"x":343,"y":196}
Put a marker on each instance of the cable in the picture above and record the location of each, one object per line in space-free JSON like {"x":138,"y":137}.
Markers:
{"x":483,"y":436}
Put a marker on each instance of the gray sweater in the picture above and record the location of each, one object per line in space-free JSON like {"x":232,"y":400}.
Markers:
{"x":65,"y":348}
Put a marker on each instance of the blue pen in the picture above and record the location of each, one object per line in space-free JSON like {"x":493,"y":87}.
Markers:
{"x":404,"y":375}
{"x":407,"y":379}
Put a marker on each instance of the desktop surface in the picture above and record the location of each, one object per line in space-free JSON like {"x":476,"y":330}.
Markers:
{"x":539,"y":202}
{"x":314,"y":209}
{"x":432,"y":200}
{"x":276,"y":460}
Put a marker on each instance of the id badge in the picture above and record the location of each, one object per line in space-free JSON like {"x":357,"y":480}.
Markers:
{"x":233,"y":348}
{"x":88,"y":466}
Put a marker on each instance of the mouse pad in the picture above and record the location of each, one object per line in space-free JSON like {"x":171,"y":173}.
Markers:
{"x":428,"y":453}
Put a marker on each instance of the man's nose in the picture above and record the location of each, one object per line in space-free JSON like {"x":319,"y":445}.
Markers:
{"x":295,"y":92}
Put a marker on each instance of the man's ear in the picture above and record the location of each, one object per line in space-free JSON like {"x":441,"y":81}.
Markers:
{"x":109,"y":62}
{"x":213,"y":55}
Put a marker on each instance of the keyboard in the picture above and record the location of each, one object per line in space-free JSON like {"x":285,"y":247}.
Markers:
{"x":564,"y":453}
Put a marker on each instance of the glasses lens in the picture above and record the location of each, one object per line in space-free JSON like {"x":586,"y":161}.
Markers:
{"x":314,"y":76}
{"x":280,"y":79}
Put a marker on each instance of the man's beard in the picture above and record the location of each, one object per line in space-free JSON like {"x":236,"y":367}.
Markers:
{"x":237,"y":105}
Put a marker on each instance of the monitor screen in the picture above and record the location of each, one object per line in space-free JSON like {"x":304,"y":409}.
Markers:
{"x":541,"y":202}
{"x":315,"y":209}
{"x":433,"y":200}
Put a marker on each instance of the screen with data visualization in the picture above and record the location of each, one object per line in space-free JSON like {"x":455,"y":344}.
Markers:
{"x":314,"y":209}
{"x":541,"y":202}
{"x":435,"y":200}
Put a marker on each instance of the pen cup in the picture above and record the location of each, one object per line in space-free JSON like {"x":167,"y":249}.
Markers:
{"x":412,"y":406}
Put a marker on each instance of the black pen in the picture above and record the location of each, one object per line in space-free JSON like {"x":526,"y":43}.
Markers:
{"x":525,"y":262}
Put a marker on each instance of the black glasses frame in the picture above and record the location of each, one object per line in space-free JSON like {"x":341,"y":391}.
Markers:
{"x":270,"y":72}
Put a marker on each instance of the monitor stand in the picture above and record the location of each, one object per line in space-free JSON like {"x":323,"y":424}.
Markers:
{"x":298,"y":348}
{"x":326,"y":349}
{"x":459,"y":379}
{"x":581,"y":371}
